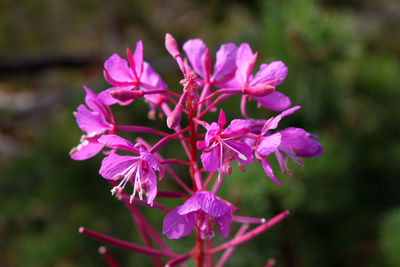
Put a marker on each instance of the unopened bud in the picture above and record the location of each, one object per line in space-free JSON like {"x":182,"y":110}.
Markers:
{"x":172,"y":45}
{"x":261,"y":90}
{"x":124,"y":95}
{"x":174,"y":117}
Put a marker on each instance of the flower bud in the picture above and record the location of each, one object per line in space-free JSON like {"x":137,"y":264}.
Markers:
{"x":172,"y":45}
{"x":259,"y":90}
{"x":124,"y":95}
{"x":174,"y":117}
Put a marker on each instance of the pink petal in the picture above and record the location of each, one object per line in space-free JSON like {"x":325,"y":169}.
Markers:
{"x":117,"y":142}
{"x":149,"y":76}
{"x":138,"y":57}
{"x":205,"y":201}
{"x":269,"y":144}
{"x":93,"y":123}
{"x":243,"y":151}
{"x":117,"y":68}
{"x":244,"y":58}
{"x":211,"y":133}
{"x":115,"y":164}
{"x":175,"y":226}
{"x":275,"y":101}
{"x":301,"y":141}
{"x":211,"y":159}
{"x":106,"y":98}
{"x":226,"y":61}
{"x":195,"y":49}
{"x":274,"y":122}
{"x":268,"y":72}
{"x":150,"y":159}
{"x":92,"y":100}
{"x":224,"y":223}
{"x":237,"y":127}
{"x":86,"y":150}
{"x":268,"y":170}
{"x":151,"y":186}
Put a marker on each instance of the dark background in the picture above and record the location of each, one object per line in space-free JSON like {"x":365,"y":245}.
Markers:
{"x":344,"y":69}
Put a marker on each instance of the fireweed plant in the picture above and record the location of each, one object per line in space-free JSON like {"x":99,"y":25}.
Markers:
{"x":220,"y":144}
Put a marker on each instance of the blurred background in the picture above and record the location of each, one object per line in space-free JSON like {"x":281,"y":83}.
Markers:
{"x":344,"y":69}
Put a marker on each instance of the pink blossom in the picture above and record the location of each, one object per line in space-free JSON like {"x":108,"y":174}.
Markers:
{"x":139,"y":170}
{"x":200,"y":211}
{"x":199,"y":57}
{"x":221,"y":146}
{"x":128,"y":75}
{"x":271,"y":74}
{"x":95,"y":119}
{"x":288,"y":143}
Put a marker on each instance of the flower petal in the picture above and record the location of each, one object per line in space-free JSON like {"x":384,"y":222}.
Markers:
{"x":138,"y":57}
{"x":92,"y":100}
{"x":225,"y":62}
{"x":211,"y":159}
{"x":212,"y":131}
{"x":195,"y":49}
{"x":151,"y":186}
{"x":149,"y":76}
{"x":117,"y":142}
{"x":118,"y":69}
{"x":268,"y":72}
{"x":269,"y":144}
{"x":275,"y":121}
{"x":237,"y":127}
{"x":268,"y":170}
{"x":244,"y":57}
{"x":86,"y":150}
{"x":115,"y":164}
{"x":175,"y":226}
{"x":301,"y":141}
{"x":224,"y":223}
{"x":205,"y":201}
{"x":243,"y":151}
{"x":275,"y":101}
{"x":93,"y":123}
{"x":150,"y":159}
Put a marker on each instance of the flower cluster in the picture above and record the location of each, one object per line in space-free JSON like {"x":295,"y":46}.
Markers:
{"x":205,"y":86}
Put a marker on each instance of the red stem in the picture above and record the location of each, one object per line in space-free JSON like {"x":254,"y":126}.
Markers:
{"x":228,"y":252}
{"x":123,"y":244}
{"x":107,"y":257}
{"x":251,"y":234}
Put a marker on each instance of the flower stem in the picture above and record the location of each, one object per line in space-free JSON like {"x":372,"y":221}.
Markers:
{"x":107,"y":257}
{"x":123,"y":244}
{"x":251,"y":234}
{"x":228,"y":252}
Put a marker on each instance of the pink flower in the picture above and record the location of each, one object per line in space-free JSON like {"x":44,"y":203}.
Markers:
{"x":221,"y":146}
{"x":272,"y":74}
{"x":139,"y":170}
{"x":288,"y":143}
{"x":200,"y":211}
{"x":127,"y":75}
{"x":95,"y":119}
{"x":199,"y":57}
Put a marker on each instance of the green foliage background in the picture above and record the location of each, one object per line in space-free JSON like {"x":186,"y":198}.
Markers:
{"x":344,"y":69}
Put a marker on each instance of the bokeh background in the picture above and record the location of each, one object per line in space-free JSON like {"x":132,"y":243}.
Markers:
{"x":344,"y":69}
